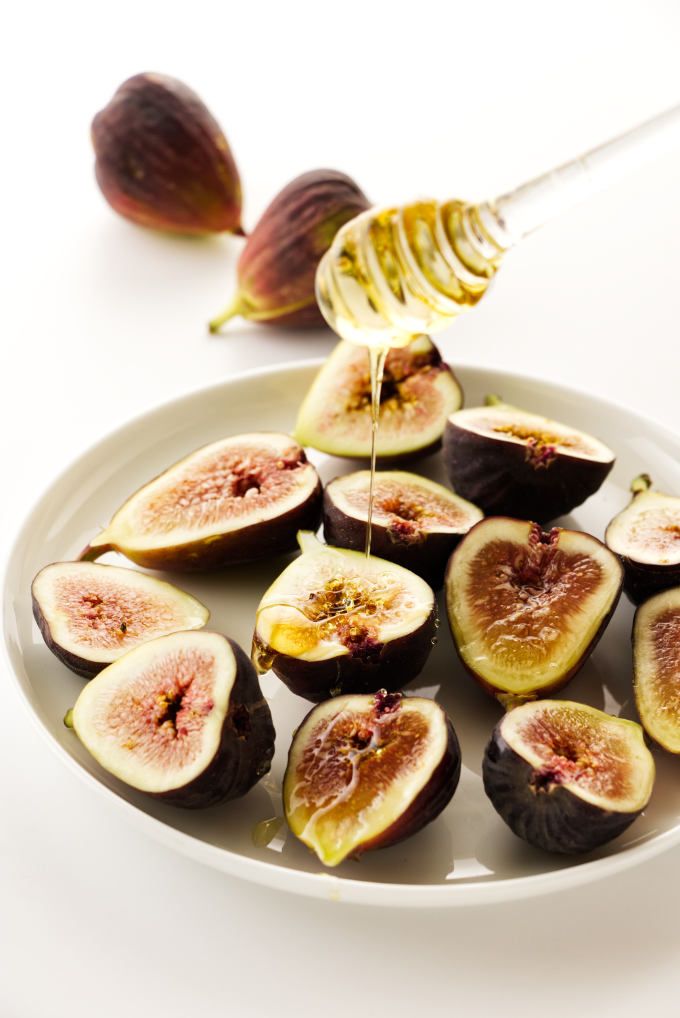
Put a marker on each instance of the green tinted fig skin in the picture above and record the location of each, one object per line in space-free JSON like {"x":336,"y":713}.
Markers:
{"x":83,"y":667}
{"x":426,"y":554}
{"x":277,"y":267}
{"x":162,"y":159}
{"x":505,"y":697}
{"x":497,"y":476}
{"x":428,"y":804}
{"x":245,"y":750}
{"x":552,"y":818}
{"x":253,"y":543}
{"x":391,"y":666}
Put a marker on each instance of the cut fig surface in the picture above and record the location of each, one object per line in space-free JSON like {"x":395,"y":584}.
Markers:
{"x":90,"y":614}
{"x":567,"y":777}
{"x":656,"y":650}
{"x":237,"y":500}
{"x":514,"y":463}
{"x":416,"y":522}
{"x":336,"y":621}
{"x":526,"y":608}
{"x":367,"y":771}
{"x":419,"y":391}
{"x":181,"y":717}
{"x":646,"y":535}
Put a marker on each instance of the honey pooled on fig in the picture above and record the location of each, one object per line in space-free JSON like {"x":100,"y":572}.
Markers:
{"x":415,"y":522}
{"x":646,"y":537}
{"x":656,"y":673}
{"x":418,"y":393}
{"x":163,"y":161}
{"x":526,"y":608}
{"x":336,"y":621}
{"x":566,"y":777}
{"x":277,"y":266}
{"x":181,"y":718}
{"x":513,"y":463}
{"x":90,"y":614}
{"x":365,"y":772}
{"x":237,"y":500}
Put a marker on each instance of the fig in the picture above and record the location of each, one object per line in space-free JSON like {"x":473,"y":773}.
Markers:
{"x":646,"y":536}
{"x":415,"y":522}
{"x":181,"y":717}
{"x":337,"y":621}
{"x":365,"y":772}
{"x":526,"y":608}
{"x":277,"y":266}
{"x":162,"y":159}
{"x":656,"y":676}
{"x":240,"y":499}
{"x":418,"y":393}
{"x":566,"y":777}
{"x":90,"y":614}
{"x":513,"y":463}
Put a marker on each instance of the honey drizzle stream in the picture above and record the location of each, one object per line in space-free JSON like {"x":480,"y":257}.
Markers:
{"x":376,"y":363}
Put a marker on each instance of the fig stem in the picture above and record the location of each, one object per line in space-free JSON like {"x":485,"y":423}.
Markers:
{"x":68,"y":718}
{"x":642,"y":482}
{"x":493,"y":399}
{"x":240,"y":306}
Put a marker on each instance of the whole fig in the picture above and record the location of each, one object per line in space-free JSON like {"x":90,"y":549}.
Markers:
{"x":277,"y":266}
{"x":163,"y":161}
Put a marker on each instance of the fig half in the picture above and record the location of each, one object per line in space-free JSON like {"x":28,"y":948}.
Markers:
{"x":513,"y":463}
{"x":566,"y":777}
{"x":646,"y":536}
{"x":181,"y":718}
{"x":90,"y":615}
{"x":237,"y":500}
{"x":418,"y":393}
{"x":415,"y":522}
{"x":336,"y":621}
{"x":656,"y":676}
{"x":526,"y":608}
{"x":365,"y":772}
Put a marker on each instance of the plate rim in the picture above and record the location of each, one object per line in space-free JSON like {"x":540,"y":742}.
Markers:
{"x":323,"y":884}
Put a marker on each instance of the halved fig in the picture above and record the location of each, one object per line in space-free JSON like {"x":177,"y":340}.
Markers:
{"x":336,"y":621}
{"x":181,"y":718}
{"x":656,"y":676}
{"x":566,"y":777}
{"x":419,"y":391}
{"x":526,"y":608}
{"x":237,"y":500}
{"x":513,"y":463}
{"x":646,"y":536}
{"x":416,"y":522}
{"x":365,"y":772}
{"x":90,"y":614}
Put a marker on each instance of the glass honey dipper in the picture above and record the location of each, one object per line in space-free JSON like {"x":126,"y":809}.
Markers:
{"x":393,"y":273}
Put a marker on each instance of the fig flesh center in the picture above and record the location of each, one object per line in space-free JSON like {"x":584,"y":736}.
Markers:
{"x":414,"y":510}
{"x":665,"y":684}
{"x":658,"y":529}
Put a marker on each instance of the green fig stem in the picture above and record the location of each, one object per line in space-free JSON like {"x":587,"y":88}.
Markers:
{"x":68,"y":718}
{"x":492,"y":399}
{"x":237,"y":307}
{"x":642,"y":482}
{"x":240,"y":306}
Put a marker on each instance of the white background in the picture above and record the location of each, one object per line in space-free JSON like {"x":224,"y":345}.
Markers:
{"x":102,"y":320}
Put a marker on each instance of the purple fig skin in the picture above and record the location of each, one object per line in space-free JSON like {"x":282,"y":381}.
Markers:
{"x":277,"y":266}
{"x":499,"y":478}
{"x":555,"y":821}
{"x":162,"y":159}
{"x":643,"y":580}
{"x":246,"y":746}
{"x":389,"y":666}
{"x":427,"y":555}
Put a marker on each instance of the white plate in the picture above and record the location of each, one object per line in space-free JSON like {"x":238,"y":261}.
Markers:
{"x":467,"y":856}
